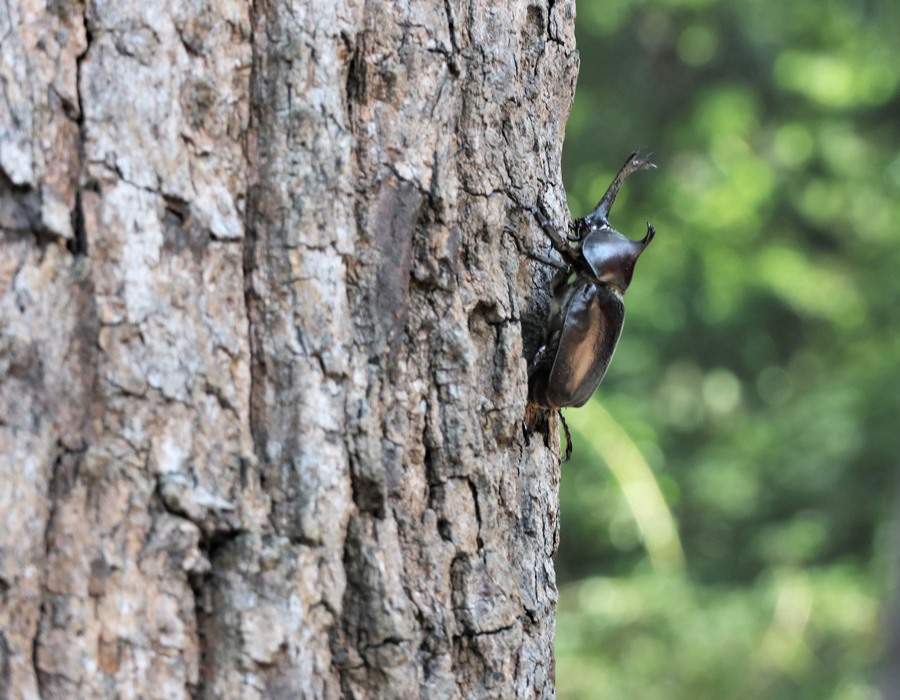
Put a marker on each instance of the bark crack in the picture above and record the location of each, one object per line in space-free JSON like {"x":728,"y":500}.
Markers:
{"x":554,"y":36}
{"x":452,"y":63}
{"x":65,"y":468}
{"x":78,"y":244}
{"x":474,"y":490}
{"x":250,"y":235}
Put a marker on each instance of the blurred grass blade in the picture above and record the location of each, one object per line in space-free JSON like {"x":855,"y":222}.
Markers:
{"x":640,"y":488}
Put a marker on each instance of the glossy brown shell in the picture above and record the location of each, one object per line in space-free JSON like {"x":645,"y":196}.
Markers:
{"x":592,"y":323}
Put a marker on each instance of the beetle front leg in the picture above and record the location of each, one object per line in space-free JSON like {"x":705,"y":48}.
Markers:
{"x":557,"y":241}
{"x":600,"y":215}
{"x":547,"y":261}
{"x":556,"y":264}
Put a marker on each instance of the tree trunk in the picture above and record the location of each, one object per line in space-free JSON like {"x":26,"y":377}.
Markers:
{"x":262,"y":359}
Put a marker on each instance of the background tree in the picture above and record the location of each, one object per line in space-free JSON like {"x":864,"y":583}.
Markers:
{"x":261,"y":353}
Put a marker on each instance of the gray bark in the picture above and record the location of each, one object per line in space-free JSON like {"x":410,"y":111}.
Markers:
{"x":261,"y":347}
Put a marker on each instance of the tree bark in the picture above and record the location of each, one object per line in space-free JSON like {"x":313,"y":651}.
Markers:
{"x":262,"y":356}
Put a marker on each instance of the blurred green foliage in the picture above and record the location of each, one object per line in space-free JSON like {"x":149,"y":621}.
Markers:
{"x":726,"y":516}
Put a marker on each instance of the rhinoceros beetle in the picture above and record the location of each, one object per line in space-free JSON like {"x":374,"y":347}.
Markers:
{"x":586,"y":312}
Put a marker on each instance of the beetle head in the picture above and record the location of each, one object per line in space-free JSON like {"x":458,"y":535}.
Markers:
{"x":611,"y":256}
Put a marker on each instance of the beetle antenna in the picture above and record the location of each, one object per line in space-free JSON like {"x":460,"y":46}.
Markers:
{"x":568,"y":435}
{"x":574,"y":235}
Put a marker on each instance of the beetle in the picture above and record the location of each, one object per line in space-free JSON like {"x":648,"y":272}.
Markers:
{"x":587,"y":311}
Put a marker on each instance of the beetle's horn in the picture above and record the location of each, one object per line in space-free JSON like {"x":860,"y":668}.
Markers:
{"x":651,"y":232}
{"x":600,"y":214}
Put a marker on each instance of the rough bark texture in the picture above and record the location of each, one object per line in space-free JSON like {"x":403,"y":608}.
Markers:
{"x":261,"y":347}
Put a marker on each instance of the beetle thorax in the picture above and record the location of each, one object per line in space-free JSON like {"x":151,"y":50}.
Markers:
{"x":611,"y":256}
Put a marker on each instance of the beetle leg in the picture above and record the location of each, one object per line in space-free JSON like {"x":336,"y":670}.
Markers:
{"x":543,"y":354}
{"x":515,"y":236}
{"x":547,"y":261}
{"x":534,"y":256}
{"x":557,"y":241}
{"x":568,"y":435}
{"x":600,"y":215}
